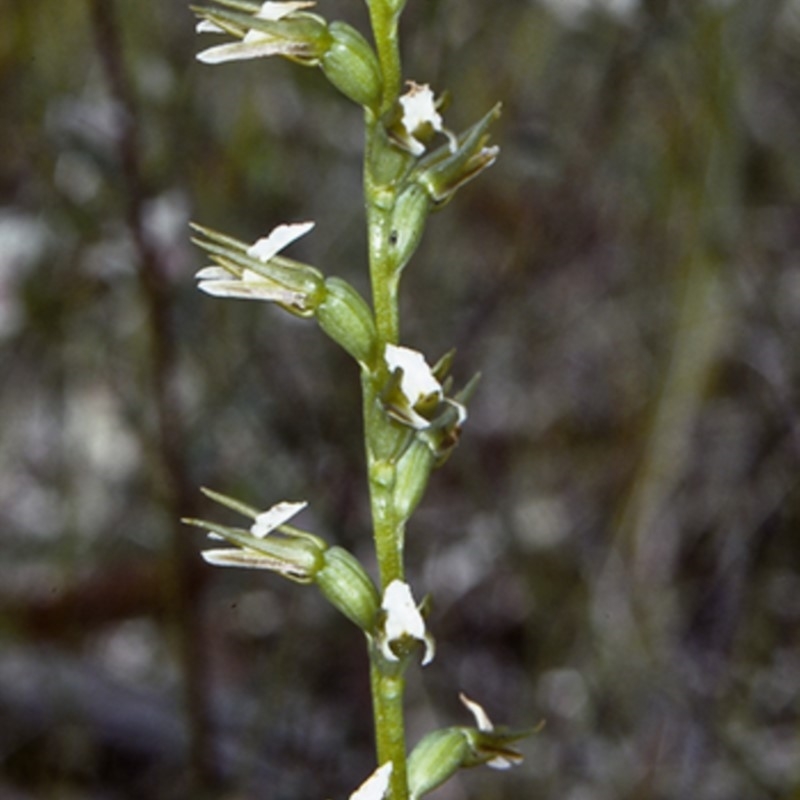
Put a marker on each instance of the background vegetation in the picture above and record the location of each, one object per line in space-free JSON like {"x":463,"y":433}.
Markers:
{"x":613,"y":548}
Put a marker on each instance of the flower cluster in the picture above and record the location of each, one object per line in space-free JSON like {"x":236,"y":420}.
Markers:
{"x":270,"y":543}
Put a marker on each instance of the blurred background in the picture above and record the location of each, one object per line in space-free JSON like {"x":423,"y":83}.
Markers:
{"x":613,"y":548}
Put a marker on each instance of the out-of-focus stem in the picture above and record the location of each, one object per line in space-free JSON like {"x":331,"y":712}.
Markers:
{"x":182,"y":582}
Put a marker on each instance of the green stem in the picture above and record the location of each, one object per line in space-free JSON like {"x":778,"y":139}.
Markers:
{"x":381,"y":167}
{"x":384,"y":28}
{"x":387,"y":693}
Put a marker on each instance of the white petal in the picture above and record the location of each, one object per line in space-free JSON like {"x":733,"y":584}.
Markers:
{"x":276,"y":10}
{"x":236,"y":557}
{"x":419,"y":108}
{"x":460,"y":409}
{"x":504,"y":762}
{"x":274,"y":517}
{"x":207,"y":26}
{"x":481,"y":717}
{"x":259,"y":47}
{"x":214,"y":274}
{"x":418,"y":381}
{"x":282,"y":236}
{"x":375,"y":787}
{"x":403,"y":619}
{"x":239,"y":290}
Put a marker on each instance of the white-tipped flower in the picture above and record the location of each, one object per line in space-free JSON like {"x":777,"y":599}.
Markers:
{"x":249,"y":284}
{"x":250,"y":557}
{"x":417,"y":381}
{"x":420,"y":119}
{"x":509,"y":757}
{"x":420,"y":397}
{"x":376,"y":786}
{"x":403,"y":624}
{"x":295,"y":554}
{"x":307,"y":44}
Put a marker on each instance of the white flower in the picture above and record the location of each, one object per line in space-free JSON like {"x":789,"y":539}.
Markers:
{"x":376,"y":786}
{"x":420,"y":389}
{"x":418,"y":382}
{"x":485,"y":725}
{"x":219,"y":282}
{"x":403,"y":621}
{"x":419,"y":114}
{"x":255,"y":43}
{"x":265,"y":523}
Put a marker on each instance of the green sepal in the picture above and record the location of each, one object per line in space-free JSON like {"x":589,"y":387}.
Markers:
{"x":229,"y":502}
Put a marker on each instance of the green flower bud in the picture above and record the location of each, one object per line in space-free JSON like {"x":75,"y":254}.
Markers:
{"x":411,"y":477}
{"x":345,"y":316}
{"x":435,"y":759}
{"x":408,"y":222}
{"x":351,"y":65}
{"x":347,"y":586}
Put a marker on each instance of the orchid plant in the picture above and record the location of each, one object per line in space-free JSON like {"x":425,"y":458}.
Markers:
{"x":413,"y":165}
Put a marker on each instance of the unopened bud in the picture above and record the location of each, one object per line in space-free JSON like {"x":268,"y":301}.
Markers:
{"x":351,"y":65}
{"x":408,"y":222}
{"x":437,"y":757}
{"x":345,"y":316}
{"x":347,"y":586}
{"x":411,"y":476}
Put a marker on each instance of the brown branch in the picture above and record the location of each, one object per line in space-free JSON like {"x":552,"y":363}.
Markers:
{"x":172,"y":483}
